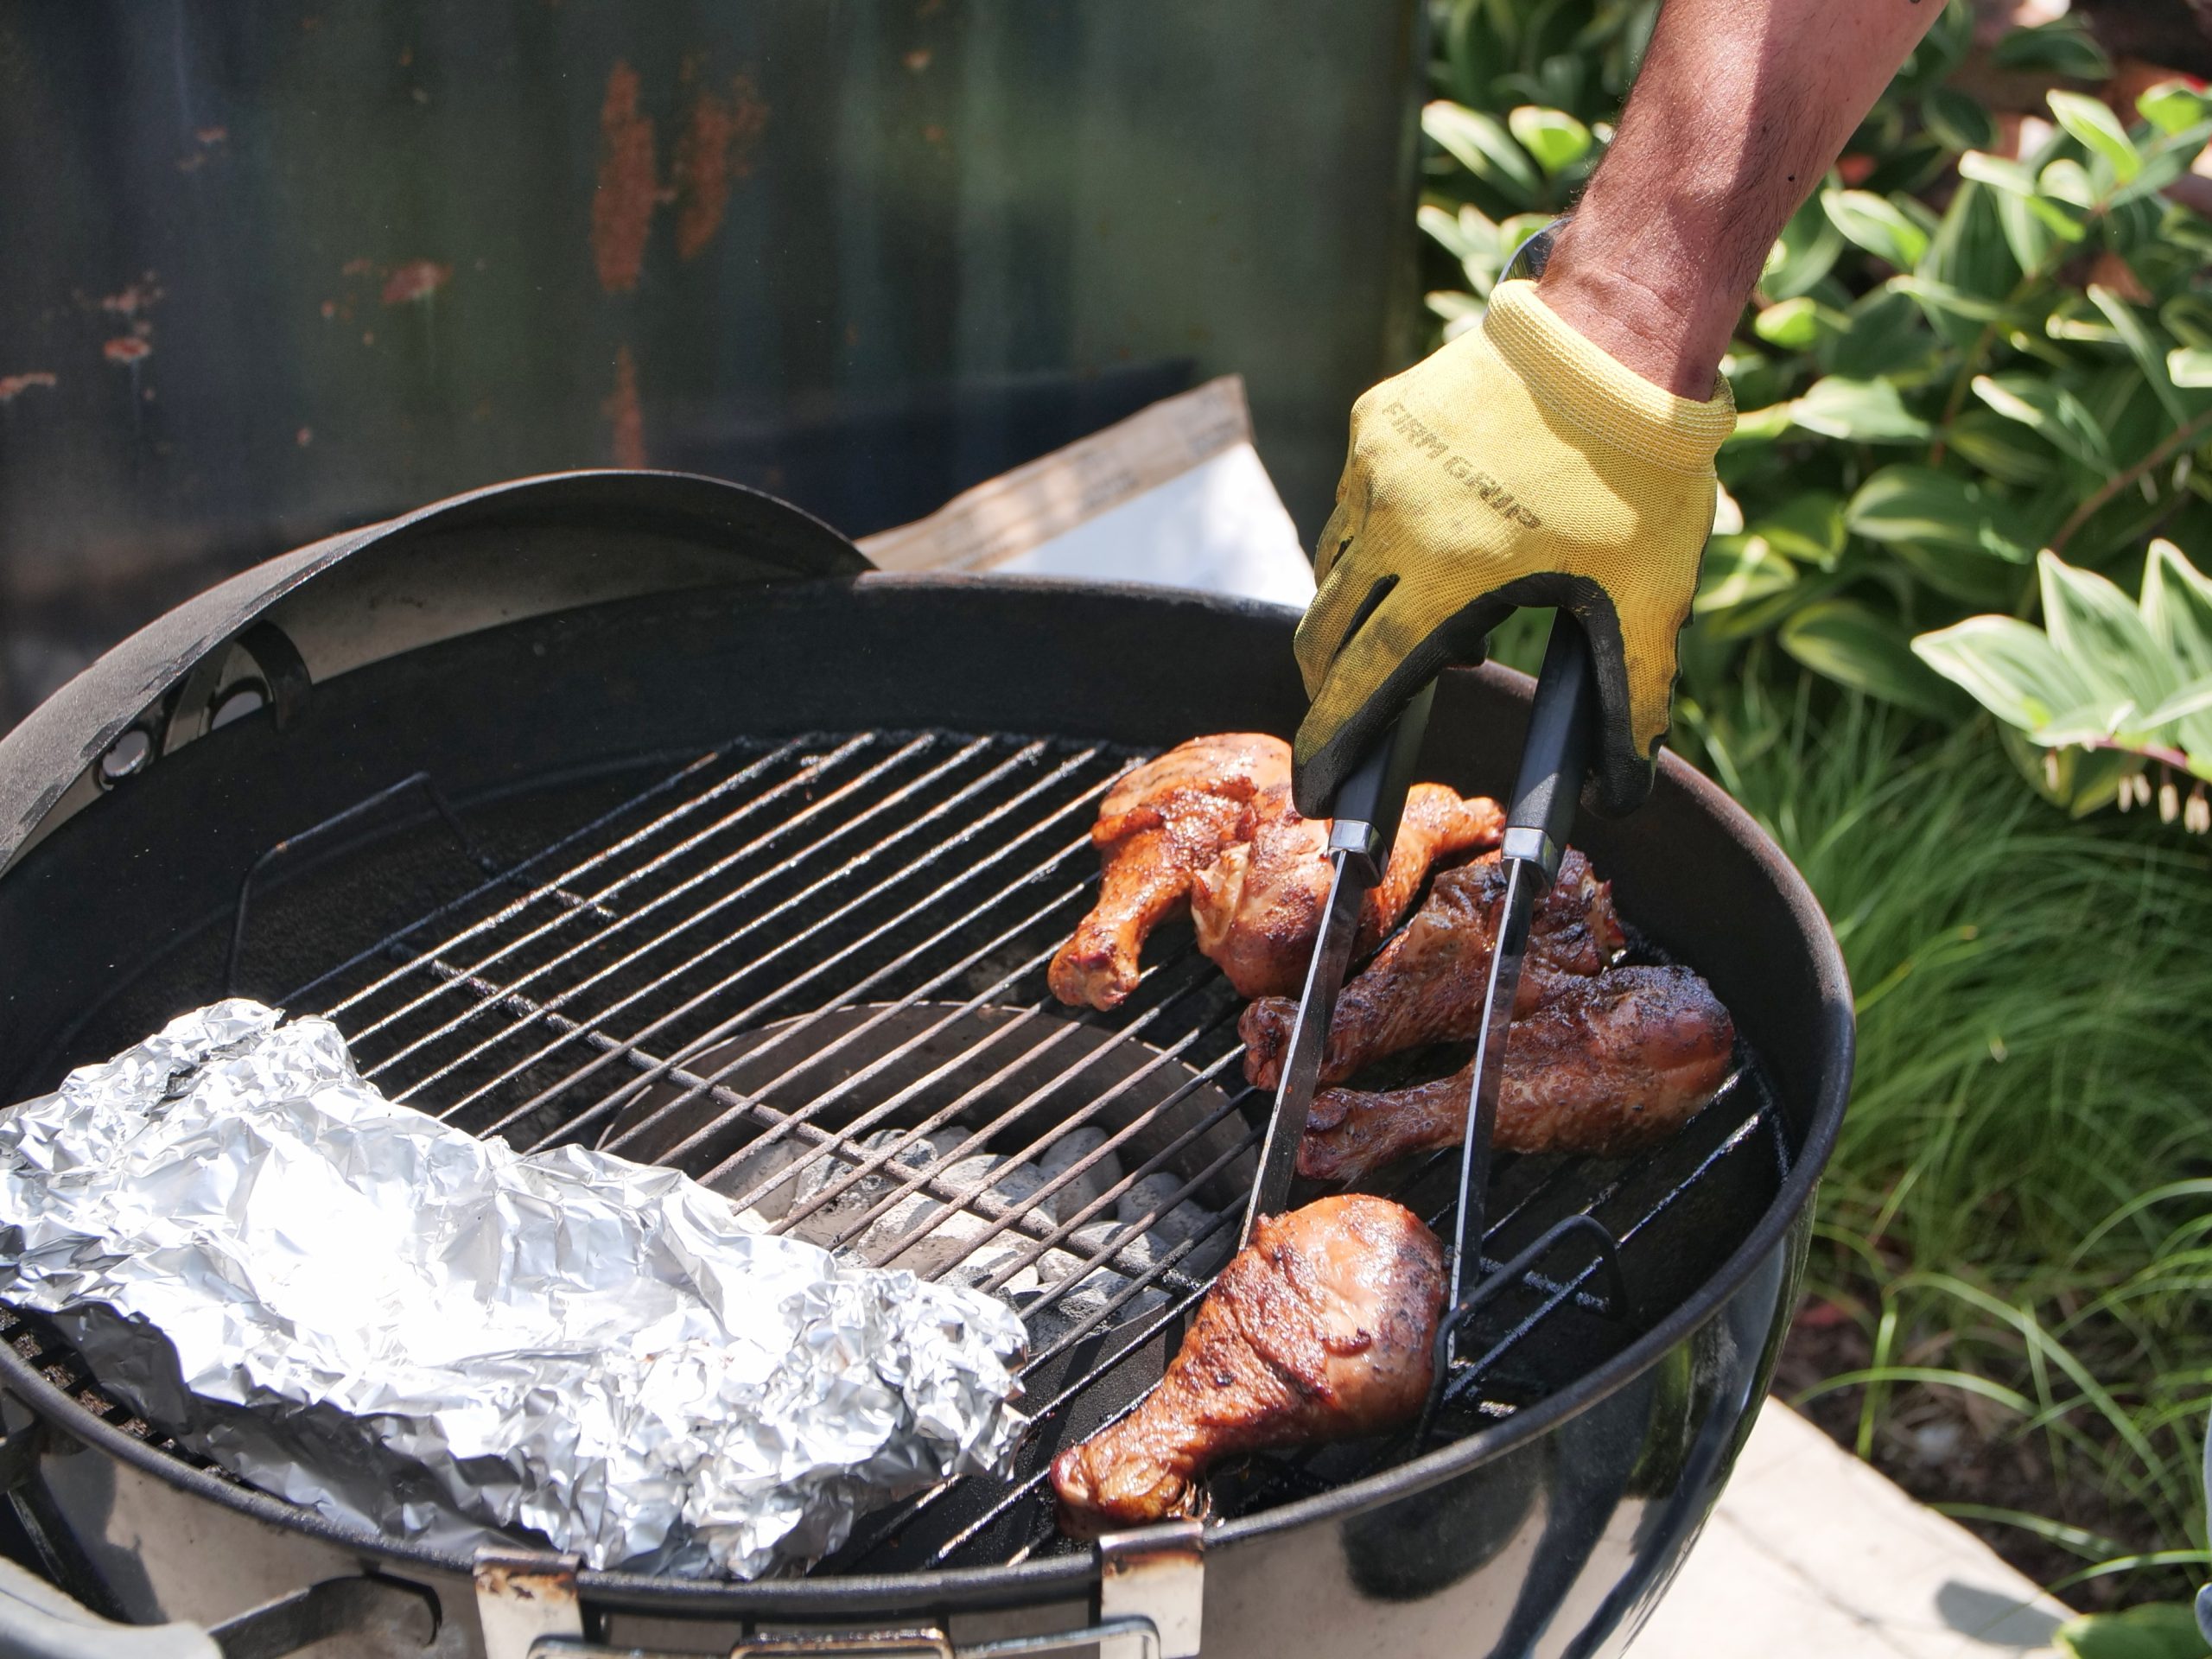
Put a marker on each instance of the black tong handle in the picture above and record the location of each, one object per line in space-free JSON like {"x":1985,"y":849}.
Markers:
{"x":1372,"y":799}
{"x":1556,"y":756}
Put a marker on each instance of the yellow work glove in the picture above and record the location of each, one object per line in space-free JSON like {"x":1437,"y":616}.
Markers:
{"x":1519,"y":465}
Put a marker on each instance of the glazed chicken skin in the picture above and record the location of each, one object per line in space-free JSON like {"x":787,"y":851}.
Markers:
{"x":1427,"y":985}
{"x":1209,"y":827}
{"x":1257,"y":908}
{"x":1321,"y":1329}
{"x":1604,"y":1065}
{"x":1158,"y":827}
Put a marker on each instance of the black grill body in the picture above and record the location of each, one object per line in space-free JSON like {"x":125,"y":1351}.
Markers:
{"x":462,"y":708}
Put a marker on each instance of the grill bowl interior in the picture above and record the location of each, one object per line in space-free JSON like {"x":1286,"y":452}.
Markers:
{"x":575,"y":907}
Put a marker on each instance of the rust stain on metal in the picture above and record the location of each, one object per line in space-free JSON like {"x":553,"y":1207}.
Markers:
{"x":13,"y":386}
{"x":622,"y":206}
{"x":918,"y":60}
{"x":716,"y":148}
{"x":363,"y":266}
{"x":142,"y":295}
{"x":624,"y":413}
{"x":125,"y":348}
{"x":415,"y":280}
{"x":212,"y":135}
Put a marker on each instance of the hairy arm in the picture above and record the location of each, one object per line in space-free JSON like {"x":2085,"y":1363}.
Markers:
{"x":1740,"y":107}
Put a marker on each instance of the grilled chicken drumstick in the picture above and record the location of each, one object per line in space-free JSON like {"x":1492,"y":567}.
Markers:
{"x":1606,"y":1065}
{"x":1158,"y":828}
{"x":1426,"y":986}
{"x":1257,"y":908}
{"x":1321,"y":1329}
{"x":1209,"y":825}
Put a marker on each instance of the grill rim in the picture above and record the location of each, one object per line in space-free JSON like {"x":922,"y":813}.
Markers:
{"x":1789,"y":1213}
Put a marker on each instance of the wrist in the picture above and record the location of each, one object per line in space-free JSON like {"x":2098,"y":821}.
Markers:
{"x":1650,"y":315}
{"x":1577,"y":379}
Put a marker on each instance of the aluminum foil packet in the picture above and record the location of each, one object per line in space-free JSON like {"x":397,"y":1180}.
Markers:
{"x":350,"y":1304}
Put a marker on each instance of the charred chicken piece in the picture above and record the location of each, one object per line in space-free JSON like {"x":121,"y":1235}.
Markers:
{"x":1257,"y":908}
{"x":1319,"y":1330}
{"x":1426,"y":986}
{"x":1606,"y":1065}
{"x":1209,"y":826}
{"x":1157,"y":828}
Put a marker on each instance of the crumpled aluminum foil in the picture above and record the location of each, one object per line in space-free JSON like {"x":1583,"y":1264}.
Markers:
{"x":356,"y":1307}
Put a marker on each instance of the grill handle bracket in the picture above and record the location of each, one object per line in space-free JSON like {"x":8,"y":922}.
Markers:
{"x":1156,"y":1576}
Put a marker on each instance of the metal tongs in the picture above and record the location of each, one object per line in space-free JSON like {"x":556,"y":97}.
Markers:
{"x":1364,"y":824}
{"x":1554,"y":760}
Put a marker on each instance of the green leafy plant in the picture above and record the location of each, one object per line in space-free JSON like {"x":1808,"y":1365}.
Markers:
{"x":2158,"y":1630}
{"x":2015,"y":1229}
{"x":2113,"y":686}
{"x":1955,"y":359}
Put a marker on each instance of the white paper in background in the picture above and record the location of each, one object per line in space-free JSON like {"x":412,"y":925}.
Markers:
{"x":1174,"y":495}
{"x":1220,"y":527}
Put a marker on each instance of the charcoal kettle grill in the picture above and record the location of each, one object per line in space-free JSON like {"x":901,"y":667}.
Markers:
{"x":635,"y":810}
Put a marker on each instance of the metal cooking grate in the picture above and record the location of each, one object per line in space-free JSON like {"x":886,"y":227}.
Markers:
{"x":812,"y":974}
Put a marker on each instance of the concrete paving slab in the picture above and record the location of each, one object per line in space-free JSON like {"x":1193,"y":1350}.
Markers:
{"x":1810,"y":1553}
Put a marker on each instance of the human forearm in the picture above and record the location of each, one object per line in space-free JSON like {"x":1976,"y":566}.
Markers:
{"x":1740,"y":108}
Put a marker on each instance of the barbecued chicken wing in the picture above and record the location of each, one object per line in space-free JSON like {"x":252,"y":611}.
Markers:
{"x":1605,"y":1065}
{"x":1427,"y":984}
{"x":1321,"y":1329}
{"x":1157,"y":828}
{"x":1257,"y":908}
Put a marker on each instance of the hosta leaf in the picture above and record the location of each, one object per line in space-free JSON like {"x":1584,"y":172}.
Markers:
{"x":1886,"y":335}
{"x":1479,"y":143}
{"x":1877,"y":225}
{"x":1938,"y":296}
{"x":1463,"y":235}
{"x":2086,"y":724}
{"x":1918,"y":504}
{"x":1760,"y":425}
{"x":2065,"y":180}
{"x":1998,"y":447}
{"x":1556,"y":139}
{"x":1738,"y":569}
{"x":2158,"y":1630}
{"x":1794,"y":325}
{"x":2172,"y":105}
{"x":1862,"y":411}
{"x":2034,"y":225}
{"x":2098,"y":629}
{"x":2050,"y":412}
{"x":1960,"y":120}
{"x":2149,"y":351}
{"x":1856,"y":646}
{"x":2009,"y":668}
{"x":1968,"y":255}
{"x":1804,"y":253}
{"x":2188,"y":318}
{"x":1807,"y":528}
{"x":2091,"y":121}
{"x":2192,"y":699}
{"x":2189,"y":365}
{"x":1973,"y":577}
{"x":1999,"y":172}
{"x":2176,"y":607}
{"x":2060,"y":48}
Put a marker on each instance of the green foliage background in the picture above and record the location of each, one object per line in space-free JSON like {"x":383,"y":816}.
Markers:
{"x":1956,"y":361}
